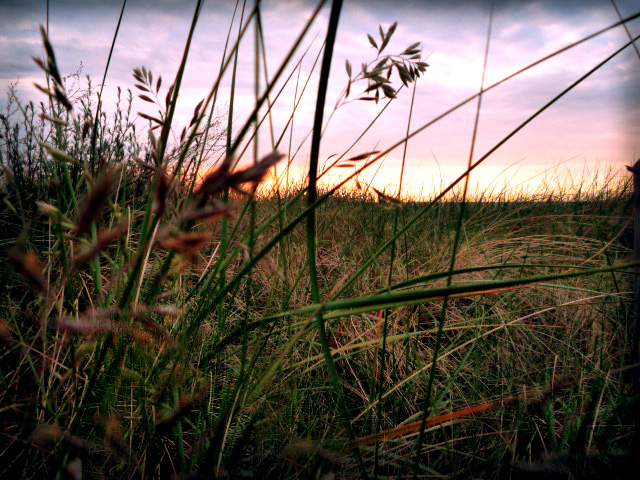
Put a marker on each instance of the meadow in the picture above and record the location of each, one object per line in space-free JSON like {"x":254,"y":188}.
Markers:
{"x":176,"y":304}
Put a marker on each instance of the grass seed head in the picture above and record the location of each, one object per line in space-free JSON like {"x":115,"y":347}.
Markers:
{"x":212,"y":210}
{"x":29,"y":266}
{"x":222,"y":178}
{"x":45,"y":433}
{"x":86,"y":125}
{"x":104,"y":239}
{"x":5,"y":332}
{"x":161,"y":193}
{"x":96,"y":199}
{"x":185,"y":243}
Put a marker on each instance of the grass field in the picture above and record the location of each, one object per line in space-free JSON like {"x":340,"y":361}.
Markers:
{"x":170,"y":311}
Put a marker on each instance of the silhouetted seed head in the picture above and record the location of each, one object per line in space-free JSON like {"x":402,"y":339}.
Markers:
{"x":51,"y":58}
{"x":56,"y":94}
{"x":157,"y":121}
{"x":169,"y":95}
{"x":196,"y":113}
{"x":51,"y":69}
{"x":146,"y":98}
{"x":216,"y":181}
{"x":44,"y":90}
{"x":40,"y":63}
{"x":137,"y":74}
{"x":362,"y":156}
{"x":61,"y":98}
{"x":384,"y":198}
{"x":255,"y":173}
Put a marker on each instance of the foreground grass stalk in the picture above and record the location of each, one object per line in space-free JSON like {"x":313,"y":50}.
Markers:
{"x":332,"y":30}
{"x":225,"y":196}
{"x":164,"y":137}
{"x":240,"y":136}
{"x":215,"y":98}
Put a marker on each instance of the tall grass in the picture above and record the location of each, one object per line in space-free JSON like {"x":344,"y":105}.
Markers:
{"x":161,"y":320}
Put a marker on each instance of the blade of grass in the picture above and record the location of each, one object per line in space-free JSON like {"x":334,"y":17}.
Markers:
{"x":323,"y":83}
{"x":452,"y":262}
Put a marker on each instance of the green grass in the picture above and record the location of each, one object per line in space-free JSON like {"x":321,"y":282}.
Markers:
{"x":157,"y":326}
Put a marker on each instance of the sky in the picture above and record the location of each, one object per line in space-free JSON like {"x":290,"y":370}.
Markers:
{"x":593,"y":129}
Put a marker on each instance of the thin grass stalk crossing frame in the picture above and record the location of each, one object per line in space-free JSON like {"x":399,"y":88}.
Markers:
{"x":385,"y":324}
{"x":427,"y":405}
{"x":94,"y":132}
{"x":325,"y":68}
